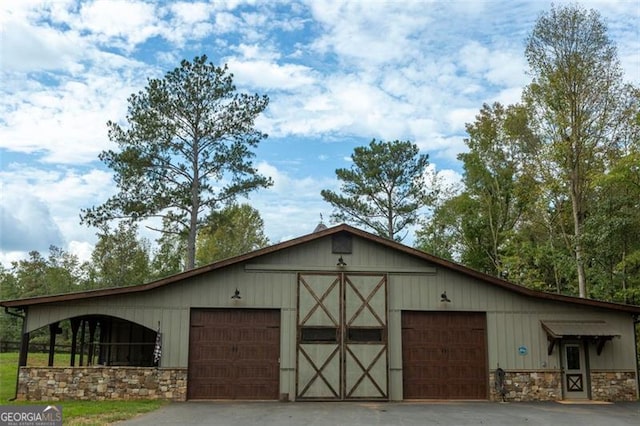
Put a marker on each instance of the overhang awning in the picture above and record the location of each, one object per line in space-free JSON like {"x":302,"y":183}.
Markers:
{"x":600,"y":331}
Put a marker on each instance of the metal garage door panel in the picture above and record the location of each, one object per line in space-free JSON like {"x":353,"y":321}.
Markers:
{"x":444,"y":355}
{"x":233,"y":354}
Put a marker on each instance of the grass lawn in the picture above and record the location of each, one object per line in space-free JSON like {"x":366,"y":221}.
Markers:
{"x":73,"y":412}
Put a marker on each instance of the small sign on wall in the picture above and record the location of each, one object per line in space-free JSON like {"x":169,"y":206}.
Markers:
{"x":522,"y":350}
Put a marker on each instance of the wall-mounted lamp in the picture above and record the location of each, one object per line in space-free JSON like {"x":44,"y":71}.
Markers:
{"x":444,"y":298}
{"x":341,"y":263}
{"x":236,"y":294}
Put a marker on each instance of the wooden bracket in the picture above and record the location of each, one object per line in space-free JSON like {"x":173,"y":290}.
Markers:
{"x":552,"y":343}
{"x":600,"y":344}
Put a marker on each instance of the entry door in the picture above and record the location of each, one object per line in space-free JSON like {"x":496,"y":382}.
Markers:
{"x":575,"y":371}
{"x":342,"y":337}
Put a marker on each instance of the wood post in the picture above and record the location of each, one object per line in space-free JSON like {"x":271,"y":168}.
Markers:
{"x":75,"y":325}
{"x":53,"y":330}
{"x":24,"y":350}
{"x":92,"y":332}
{"x":82,"y":342}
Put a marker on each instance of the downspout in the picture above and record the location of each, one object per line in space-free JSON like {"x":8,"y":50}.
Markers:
{"x":22,"y":343}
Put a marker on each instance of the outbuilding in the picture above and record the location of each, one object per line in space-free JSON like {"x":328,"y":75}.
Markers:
{"x":339,"y":314}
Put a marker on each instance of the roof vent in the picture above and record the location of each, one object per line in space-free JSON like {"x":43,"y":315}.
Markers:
{"x":321,"y":226}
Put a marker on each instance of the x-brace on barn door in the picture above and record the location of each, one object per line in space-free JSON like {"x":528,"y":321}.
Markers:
{"x":342,"y":336}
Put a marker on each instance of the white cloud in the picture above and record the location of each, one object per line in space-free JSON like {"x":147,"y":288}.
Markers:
{"x":44,"y":206}
{"x":350,"y":26}
{"x":191,"y":13}
{"x":81,"y":249}
{"x":121,"y":22}
{"x":27,"y":47}
{"x":335,"y":71}
{"x":458,"y":117}
{"x":64,"y":125}
{"x":226,"y":22}
{"x":269,"y":75}
{"x":297,"y":199}
{"x":27,"y":224}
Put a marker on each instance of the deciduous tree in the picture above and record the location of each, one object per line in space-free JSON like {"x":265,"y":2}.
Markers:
{"x":234,"y":230}
{"x":120,"y":258}
{"x":478,"y":223}
{"x":574,"y":100}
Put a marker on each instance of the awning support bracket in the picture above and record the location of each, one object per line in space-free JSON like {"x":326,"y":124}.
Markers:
{"x":600,"y":344}
{"x":552,"y":343}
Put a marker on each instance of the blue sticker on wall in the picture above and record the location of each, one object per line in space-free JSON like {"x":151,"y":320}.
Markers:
{"x":522,"y":350}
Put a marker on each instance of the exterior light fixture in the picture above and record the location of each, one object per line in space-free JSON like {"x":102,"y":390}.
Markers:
{"x":341,"y":263}
{"x":444,"y":298}
{"x":236,"y":294}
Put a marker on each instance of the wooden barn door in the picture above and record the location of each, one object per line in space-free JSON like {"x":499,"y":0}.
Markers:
{"x":342,"y":337}
{"x":319,"y":337}
{"x":365,"y":337}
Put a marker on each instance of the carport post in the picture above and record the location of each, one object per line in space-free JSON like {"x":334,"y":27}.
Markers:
{"x":92,"y":333}
{"x":24,"y":350}
{"x":82,"y":342}
{"x":75,"y":325}
{"x":53,"y":330}
{"x":24,"y":345}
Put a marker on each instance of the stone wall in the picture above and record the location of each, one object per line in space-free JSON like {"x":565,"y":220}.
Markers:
{"x":613,"y":386}
{"x":101,"y":383}
{"x":528,"y":386}
{"x":547,"y":386}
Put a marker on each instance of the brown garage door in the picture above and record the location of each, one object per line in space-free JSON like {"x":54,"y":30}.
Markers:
{"x":444,"y":355}
{"x":233,"y":354}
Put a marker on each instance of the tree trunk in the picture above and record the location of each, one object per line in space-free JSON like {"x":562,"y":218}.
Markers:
{"x":582,"y":280}
{"x":576,"y":204}
{"x":191,"y":244}
{"x":195,"y":206}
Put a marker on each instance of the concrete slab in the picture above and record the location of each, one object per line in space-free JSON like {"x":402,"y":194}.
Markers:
{"x":388,"y":414}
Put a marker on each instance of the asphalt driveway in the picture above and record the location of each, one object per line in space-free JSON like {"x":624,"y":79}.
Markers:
{"x":389,"y":413}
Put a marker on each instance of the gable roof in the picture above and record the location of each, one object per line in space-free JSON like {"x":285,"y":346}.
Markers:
{"x":318,"y":234}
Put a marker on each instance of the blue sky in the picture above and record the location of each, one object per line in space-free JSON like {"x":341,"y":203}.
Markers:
{"x":337,"y":73}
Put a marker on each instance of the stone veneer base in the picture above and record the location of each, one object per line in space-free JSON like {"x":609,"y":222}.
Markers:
{"x":547,"y":386}
{"x":126,"y":383}
{"x":528,"y":386}
{"x":101,"y":383}
{"x":614,"y":385}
